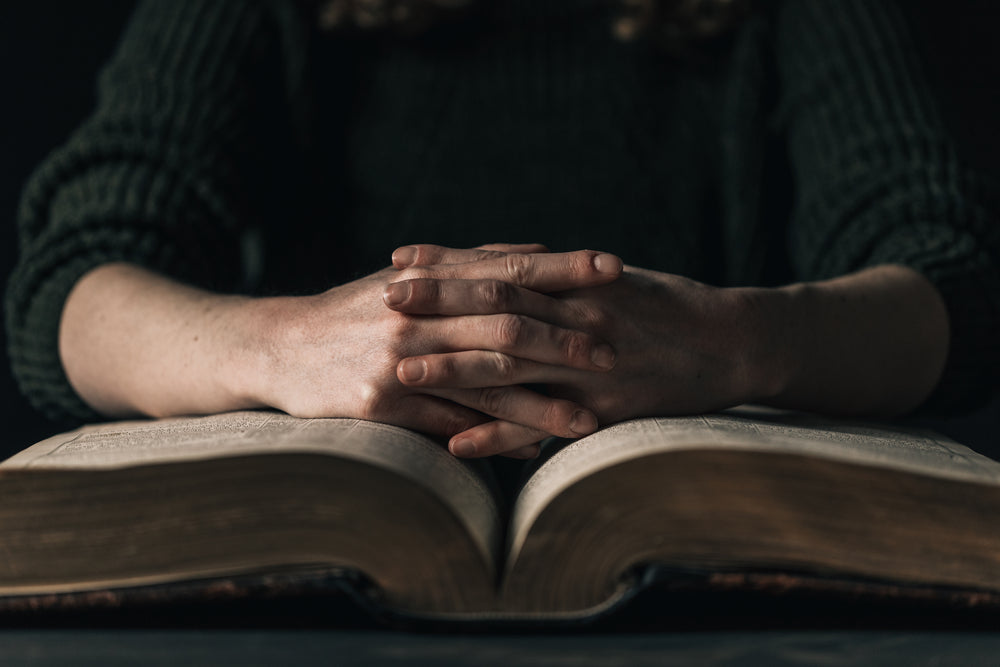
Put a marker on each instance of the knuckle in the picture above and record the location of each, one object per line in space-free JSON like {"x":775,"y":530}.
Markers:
{"x":487,"y":253}
{"x":402,"y":330}
{"x":590,"y":317}
{"x":413,"y":273}
{"x":491,"y":443}
{"x":556,"y":416}
{"x":400,"y":324}
{"x":510,"y":331}
{"x":517,"y":268}
{"x":608,"y":405}
{"x":581,"y":262}
{"x":425,"y":253}
{"x":439,"y":368}
{"x":492,"y":401}
{"x":576,"y":347}
{"x":426,"y":291}
{"x":496,"y":294}
{"x":505,"y":367}
{"x":452,"y":424}
{"x":373,"y":401}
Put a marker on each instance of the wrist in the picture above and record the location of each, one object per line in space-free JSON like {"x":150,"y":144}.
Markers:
{"x":247,"y":351}
{"x":253,"y":350}
{"x":770,"y":361}
{"x":868,"y":343}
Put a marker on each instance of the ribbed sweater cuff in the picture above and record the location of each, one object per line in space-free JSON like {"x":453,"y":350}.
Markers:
{"x":149,"y":218}
{"x":34,"y":346}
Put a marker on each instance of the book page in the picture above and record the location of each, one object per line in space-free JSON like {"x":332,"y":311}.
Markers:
{"x":238,"y":434}
{"x":750,"y":429}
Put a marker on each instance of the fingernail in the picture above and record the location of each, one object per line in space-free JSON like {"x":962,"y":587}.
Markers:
{"x":396,"y":293}
{"x":404,"y":256}
{"x":582,"y":423}
{"x":413,"y":370}
{"x":463,"y":448}
{"x":606,"y":263}
{"x":528,"y":452}
{"x":603,"y":356}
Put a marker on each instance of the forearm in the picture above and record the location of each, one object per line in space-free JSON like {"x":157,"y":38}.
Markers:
{"x":133,"y":342}
{"x":870,"y":343}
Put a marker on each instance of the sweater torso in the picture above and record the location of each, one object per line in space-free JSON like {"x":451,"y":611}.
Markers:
{"x":526,"y":129}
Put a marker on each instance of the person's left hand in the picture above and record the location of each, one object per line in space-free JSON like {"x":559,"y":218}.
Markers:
{"x":682,"y":346}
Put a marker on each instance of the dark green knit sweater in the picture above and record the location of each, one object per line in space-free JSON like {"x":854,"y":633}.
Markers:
{"x":235,"y":148}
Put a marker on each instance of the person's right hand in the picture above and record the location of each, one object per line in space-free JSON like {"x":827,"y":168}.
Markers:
{"x":336,"y":354}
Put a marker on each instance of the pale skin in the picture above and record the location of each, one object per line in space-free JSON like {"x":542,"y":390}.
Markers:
{"x":445,"y":341}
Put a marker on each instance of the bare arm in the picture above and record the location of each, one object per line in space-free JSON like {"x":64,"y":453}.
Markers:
{"x":134,"y":342}
{"x":869,"y":343}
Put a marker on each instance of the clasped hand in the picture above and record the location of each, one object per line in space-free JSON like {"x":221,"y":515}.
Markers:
{"x":499,"y":347}
{"x":343,"y":353}
{"x":595,"y":343}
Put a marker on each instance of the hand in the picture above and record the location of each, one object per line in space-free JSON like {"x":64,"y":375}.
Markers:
{"x":339,"y":353}
{"x":682,"y":346}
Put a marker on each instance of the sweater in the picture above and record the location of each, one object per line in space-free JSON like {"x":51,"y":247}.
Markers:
{"x":237,"y":148}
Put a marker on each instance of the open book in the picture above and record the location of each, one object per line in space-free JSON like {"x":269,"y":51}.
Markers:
{"x":152,"y":503}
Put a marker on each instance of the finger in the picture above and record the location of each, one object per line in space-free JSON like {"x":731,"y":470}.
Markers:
{"x":515,"y":247}
{"x":495,"y":437}
{"x":471,"y":369}
{"x":550,"y":272}
{"x":423,"y":296}
{"x":433,"y":415}
{"x":526,"y":338}
{"x":550,"y":416}
{"x":529,"y":452}
{"x":423,"y":254}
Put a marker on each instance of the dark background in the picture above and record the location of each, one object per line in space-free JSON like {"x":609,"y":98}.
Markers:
{"x":51,"y":51}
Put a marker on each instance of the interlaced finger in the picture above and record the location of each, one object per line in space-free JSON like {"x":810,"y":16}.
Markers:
{"x":424,"y":254}
{"x":526,"y":338}
{"x":526,"y":452}
{"x":433,"y":415}
{"x":476,"y":368}
{"x":550,"y":272}
{"x":425,"y":296}
{"x":495,"y":437}
{"x":551,"y":416}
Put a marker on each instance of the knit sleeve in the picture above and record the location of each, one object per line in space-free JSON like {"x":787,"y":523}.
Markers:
{"x":160,"y":175}
{"x":878,"y":180}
